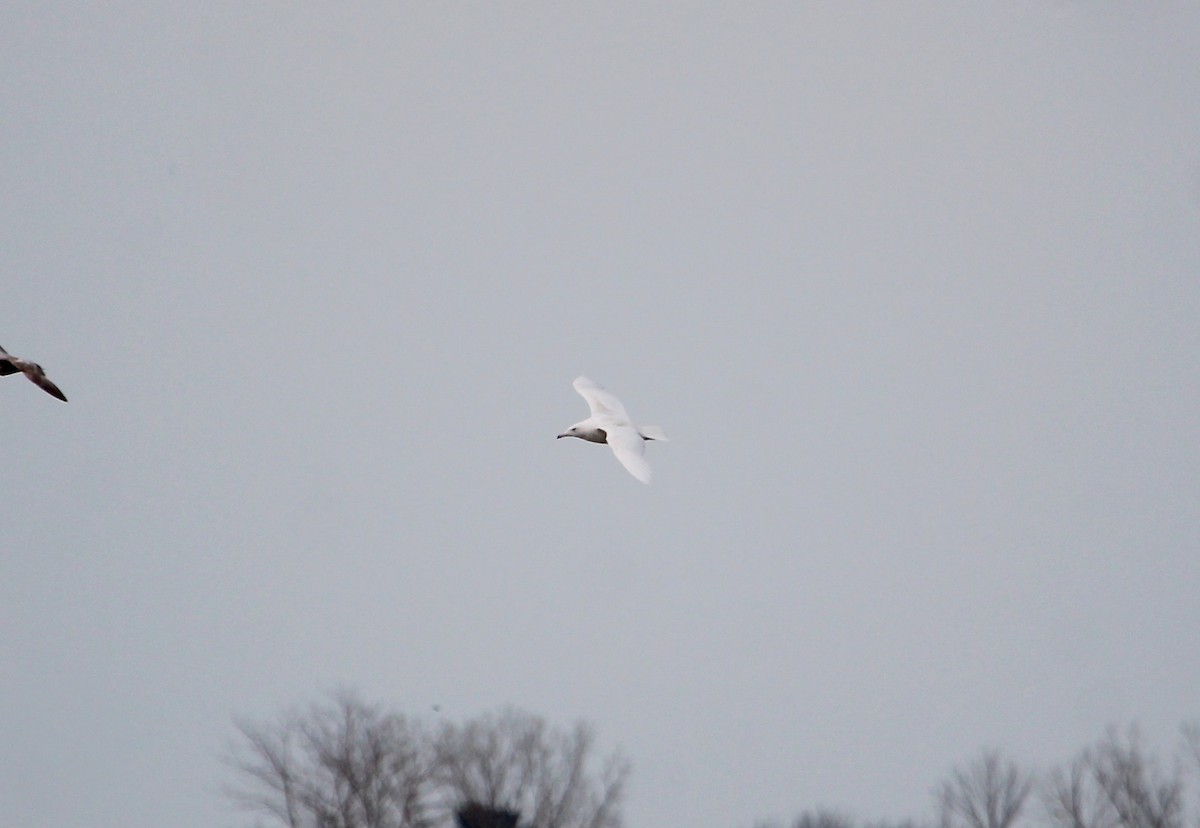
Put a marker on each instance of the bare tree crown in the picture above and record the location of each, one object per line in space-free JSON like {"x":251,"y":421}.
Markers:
{"x":347,"y":764}
{"x":1115,"y":784}
{"x":989,"y":793}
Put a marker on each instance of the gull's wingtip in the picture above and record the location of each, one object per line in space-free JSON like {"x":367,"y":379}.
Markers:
{"x":640,"y":471}
{"x":49,"y":387}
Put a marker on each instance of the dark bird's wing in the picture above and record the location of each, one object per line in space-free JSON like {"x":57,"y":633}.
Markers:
{"x":43,"y":382}
{"x":6,"y":367}
{"x":10,"y":364}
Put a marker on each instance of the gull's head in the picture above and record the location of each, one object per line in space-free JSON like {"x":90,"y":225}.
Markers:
{"x":587,"y":430}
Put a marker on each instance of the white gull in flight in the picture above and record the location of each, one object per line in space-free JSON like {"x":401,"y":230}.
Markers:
{"x":610,"y":424}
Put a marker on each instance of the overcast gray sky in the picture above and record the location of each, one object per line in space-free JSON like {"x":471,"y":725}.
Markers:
{"x":914,"y":288}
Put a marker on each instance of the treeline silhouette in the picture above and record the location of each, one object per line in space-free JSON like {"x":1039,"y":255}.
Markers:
{"x":347,"y":764}
{"x":1114,"y":783}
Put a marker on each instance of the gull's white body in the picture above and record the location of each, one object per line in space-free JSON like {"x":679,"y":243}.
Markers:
{"x":610,"y":424}
{"x":10,"y":364}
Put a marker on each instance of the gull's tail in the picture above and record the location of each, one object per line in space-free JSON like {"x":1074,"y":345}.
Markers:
{"x":652,"y":433}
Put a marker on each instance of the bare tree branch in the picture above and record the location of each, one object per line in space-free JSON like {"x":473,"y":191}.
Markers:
{"x":988,"y":793}
{"x":1134,"y":786}
{"x":346,"y":764}
{"x":342,"y":765}
{"x":1072,"y":800}
{"x":515,"y":761}
{"x":1114,"y":784}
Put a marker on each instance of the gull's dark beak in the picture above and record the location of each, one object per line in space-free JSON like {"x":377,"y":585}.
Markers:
{"x":559,"y":437}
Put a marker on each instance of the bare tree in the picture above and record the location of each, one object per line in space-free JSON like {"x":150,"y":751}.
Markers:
{"x":346,"y":764}
{"x":339,"y":765}
{"x":1072,"y":799}
{"x":1138,"y":791}
{"x":989,"y":793}
{"x":513,"y":760}
{"x":1114,"y":784}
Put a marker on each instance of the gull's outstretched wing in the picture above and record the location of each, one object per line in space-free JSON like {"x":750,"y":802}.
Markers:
{"x":10,"y":364}
{"x":630,"y":449}
{"x":599,"y":400}
{"x":6,"y":367}
{"x":44,"y":383}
